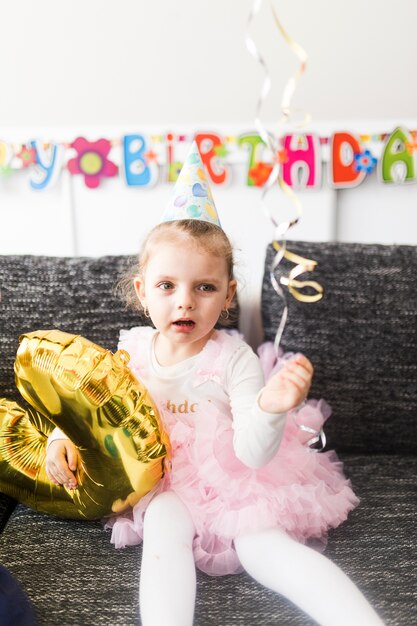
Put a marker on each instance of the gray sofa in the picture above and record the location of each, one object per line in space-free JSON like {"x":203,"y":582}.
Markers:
{"x":362,"y":339}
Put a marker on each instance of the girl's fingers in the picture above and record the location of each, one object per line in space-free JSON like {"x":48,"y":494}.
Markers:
{"x":72,"y":458}
{"x":303,"y":361}
{"x":301,"y":384}
{"x":298,"y":372}
{"x":53,"y":479}
{"x":49,"y":475}
{"x":59,"y":476}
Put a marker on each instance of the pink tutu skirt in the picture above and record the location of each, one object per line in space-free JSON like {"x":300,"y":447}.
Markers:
{"x":300,"y":491}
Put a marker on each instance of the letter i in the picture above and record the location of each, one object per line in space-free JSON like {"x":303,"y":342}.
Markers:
{"x":173,"y":167}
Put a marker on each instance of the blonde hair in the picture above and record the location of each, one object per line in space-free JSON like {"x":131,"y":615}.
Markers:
{"x":205,"y":235}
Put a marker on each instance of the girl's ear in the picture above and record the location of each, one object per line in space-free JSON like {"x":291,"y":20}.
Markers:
{"x":231,"y":290}
{"x":140,"y":289}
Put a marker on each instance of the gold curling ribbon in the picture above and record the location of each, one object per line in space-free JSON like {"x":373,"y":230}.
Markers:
{"x":281,"y":228}
{"x":302,"y":265}
{"x":292,"y":82}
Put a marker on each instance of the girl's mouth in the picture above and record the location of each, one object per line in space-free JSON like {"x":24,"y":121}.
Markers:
{"x":185,"y":325}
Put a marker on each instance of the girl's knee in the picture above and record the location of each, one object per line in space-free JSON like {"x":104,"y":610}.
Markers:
{"x":163,"y":504}
{"x":251,"y":547}
{"x":167,"y":517}
{"x":262,"y":538}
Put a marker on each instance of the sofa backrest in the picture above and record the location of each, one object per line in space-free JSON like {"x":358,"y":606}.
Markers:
{"x":76,"y":295}
{"x":73,"y":294}
{"x":361,"y":338}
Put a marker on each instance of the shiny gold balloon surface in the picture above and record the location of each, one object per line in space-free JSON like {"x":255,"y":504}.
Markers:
{"x":91,"y":395}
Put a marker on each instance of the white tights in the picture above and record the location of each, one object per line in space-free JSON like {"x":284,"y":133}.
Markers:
{"x":304,"y":576}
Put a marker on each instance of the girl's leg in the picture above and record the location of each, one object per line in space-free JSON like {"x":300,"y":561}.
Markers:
{"x":306,"y":577}
{"x":168,"y":578}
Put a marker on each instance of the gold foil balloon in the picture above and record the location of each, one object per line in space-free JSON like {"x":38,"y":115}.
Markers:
{"x":91,"y":395}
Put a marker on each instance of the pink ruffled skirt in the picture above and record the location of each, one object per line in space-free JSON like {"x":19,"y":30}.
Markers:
{"x":300,"y":491}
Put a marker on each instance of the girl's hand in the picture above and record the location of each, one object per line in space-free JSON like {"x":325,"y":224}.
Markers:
{"x":61,"y":462}
{"x":288,"y":387}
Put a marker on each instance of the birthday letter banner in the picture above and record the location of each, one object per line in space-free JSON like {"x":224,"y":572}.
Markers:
{"x":143,"y":160}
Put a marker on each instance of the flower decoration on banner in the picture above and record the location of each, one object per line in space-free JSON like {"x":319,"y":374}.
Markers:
{"x":259,"y":173}
{"x":27,"y":156}
{"x":92,"y":161}
{"x":5,"y":157}
{"x":283,"y":156}
{"x":365,"y":161}
{"x":411,"y":146}
{"x":221,"y":151}
{"x":151,"y":156}
{"x":174,"y":170}
{"x":5,"y":170}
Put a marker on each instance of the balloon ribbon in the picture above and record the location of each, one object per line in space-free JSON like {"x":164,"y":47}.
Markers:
{"x":281,"y":228}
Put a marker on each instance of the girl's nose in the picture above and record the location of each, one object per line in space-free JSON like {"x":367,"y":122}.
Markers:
{"x":185,"y":300}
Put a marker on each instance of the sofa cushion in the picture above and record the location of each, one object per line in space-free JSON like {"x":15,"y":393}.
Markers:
{"x":73,"y":575}
{"x":361,"y":338}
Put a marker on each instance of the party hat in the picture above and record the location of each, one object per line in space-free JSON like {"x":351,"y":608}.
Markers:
{"x":191,"y":198}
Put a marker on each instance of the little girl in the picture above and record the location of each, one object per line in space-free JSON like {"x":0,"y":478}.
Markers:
{"x":243,"y":491}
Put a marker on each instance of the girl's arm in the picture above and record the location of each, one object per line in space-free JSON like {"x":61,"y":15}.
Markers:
{"x":259,"y":411}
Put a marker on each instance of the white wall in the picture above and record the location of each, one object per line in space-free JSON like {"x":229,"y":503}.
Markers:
{"x":101,"y":62}
{"x":102,"y":68}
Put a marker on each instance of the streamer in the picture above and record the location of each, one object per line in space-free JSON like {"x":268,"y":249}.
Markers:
{"x":281,"y":228}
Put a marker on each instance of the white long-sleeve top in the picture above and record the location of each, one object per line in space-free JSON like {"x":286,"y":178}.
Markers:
{"x":226,"y":373}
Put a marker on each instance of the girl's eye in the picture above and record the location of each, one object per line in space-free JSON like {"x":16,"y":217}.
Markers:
{"x":165,"y":286}
{"x":207,"y":287}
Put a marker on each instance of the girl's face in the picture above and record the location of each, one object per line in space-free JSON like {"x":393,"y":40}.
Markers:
{"x":184,"y":288}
